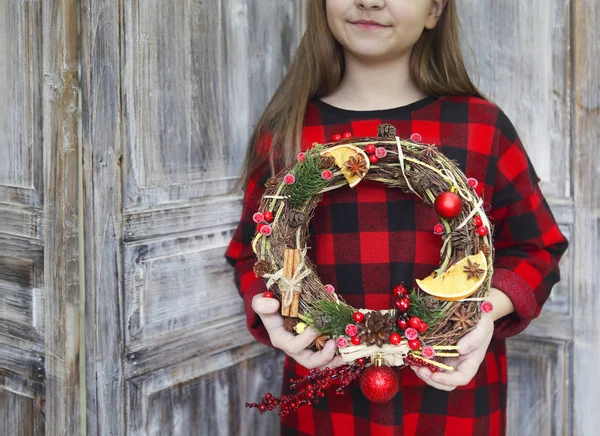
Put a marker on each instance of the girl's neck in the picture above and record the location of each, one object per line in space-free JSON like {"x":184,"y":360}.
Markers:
{"x":374,"y":85}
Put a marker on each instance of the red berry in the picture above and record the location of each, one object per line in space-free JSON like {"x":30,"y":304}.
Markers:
{"x":411,"y":334}
{"x":358,"y":316}
{"x":402,"y":323}
{"x":373,"y":159}
{"x":301,"y":157}
{"x":355,"y":340}
{"x":268,"y":294}
{"x":415,"y":344}
{"x":381,"y":152}
{"x":370,"y":148}
{"x":472,"y":182}
{"x":448,"y":205}
{"x":395,"y":339}
{"x":482,"y":231}
{"x":361,"y":361}
{"x":336,"y":137}
{"x":439,"y":229}
{"x":268,"y":216}
{"x":415,"y":322}
{"x":415,"y":137}
{"x":258,"y":217}
{"x":260,"y":226}
{"x":403,"y":304}
{"x":347,"y":135}
{"x":478,"y":221}
{"x":400,"y":291}
{"x":487,"y":307}
{"x":422,"y":327}
{"x":266,"y":229}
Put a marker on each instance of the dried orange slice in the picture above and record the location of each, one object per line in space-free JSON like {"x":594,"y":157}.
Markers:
{"x":342,"y":154}
{"x":460,"y":280}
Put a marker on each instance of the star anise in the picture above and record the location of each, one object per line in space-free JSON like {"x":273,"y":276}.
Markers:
{"x":472,"y":269}
{"x":429,"y":150}
{"x":356,"y":165}
{"x":462,"y":320}
{"x":320,"y":341}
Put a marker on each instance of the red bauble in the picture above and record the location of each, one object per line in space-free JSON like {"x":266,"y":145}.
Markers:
{"x":336,"y":137}
{"x":347,"y":135}
{"x":373,"y":159}
{"x":402,"y":323}
{"x":355,"y":340}
{"x":395,"y":339}
{"x":370,"y":148}
{"x":415,"y":344}
{"x":482,"y":231}
{"x":448,"y":205}
{"x":415,"y":322}
{"x":478,"y":221}
{"x":400,"y":291}
{"x":403,"y":304}
{"x":379,"y":384}
{"x":358,"y":316}
{"x":268,"y":294}
{"x":268,"y":216}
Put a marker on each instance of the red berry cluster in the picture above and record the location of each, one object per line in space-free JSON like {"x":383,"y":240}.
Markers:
{"x":411,"y":326}
{"x":338,"y":137}
{"x":375,"y":153}
{"x":481,"y":229}
{"x":263,"y":219}
{"x":413,"y":360}
{"x":315,"y":385}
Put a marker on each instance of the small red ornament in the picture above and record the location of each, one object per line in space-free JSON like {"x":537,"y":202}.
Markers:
{"x":289,"y":179}
{"x":415,"y":137}
{"x":439,"y":229}
{"x":358,"y":316}
{"x":478,"y":221}
{"x":370,"y":148}
{"x":361,"y":360}
{"x":268,"y":294}
{"x":428,"y":352}
{"x":415,"y":322}
{"x":411,"y":334}
{"x":336,"y":137}
{"x":415,"y":344}
{"x":373,"y":159}
{"x":265,"y":229}
{"x":395,"y":339}
{"x":351,"y":330}
{"x":347,"y":135}
{"x":380,"y":152}
{"x":268,"y":216}
{"x":379,"y":383}
{"x":402,"y":323}
{"x":355,"y":340}
{"x":472,"y":182}
{"x":482,"y":231}
{"x":300,"y":157}
{"x":487,"y":307}
{"x":260,"y":226}
{"x":448,"y":205}
{"x":342,"y":342}
{"x":403,"y":304}
{"x":422,"y":327}
{"x":258,"y":217}
{"x":399,"y":291}
{"x":329,"y":288}
{"x":326,"y":175}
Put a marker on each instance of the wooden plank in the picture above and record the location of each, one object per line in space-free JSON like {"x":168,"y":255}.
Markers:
{"x":61,"y":163}
{"x":101,"y":143}
{"x":586,"y":241}
{"x":21,"y":405}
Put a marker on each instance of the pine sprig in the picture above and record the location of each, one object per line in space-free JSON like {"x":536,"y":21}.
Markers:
{"x":329,"y":317}
{"x":418,"y":308}
{"x":308,"y":180}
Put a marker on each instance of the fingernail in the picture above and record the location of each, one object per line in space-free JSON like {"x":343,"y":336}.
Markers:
{"x":463,"y":349}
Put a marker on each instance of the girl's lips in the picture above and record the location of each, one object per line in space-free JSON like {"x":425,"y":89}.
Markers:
{"x":368,"y":25}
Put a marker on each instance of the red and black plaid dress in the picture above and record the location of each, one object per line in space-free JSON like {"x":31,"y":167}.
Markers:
{"x":367,"y":239}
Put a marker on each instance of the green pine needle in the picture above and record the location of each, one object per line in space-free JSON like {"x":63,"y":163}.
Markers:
{"x":417,"y":308}
{"x":308,"y":180}
{"x":336,"y":316}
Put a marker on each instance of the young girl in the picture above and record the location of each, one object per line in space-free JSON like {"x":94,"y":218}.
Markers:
{"x":362,"y":63}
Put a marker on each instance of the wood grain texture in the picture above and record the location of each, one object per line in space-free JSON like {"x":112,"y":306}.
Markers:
{"x":61,"y":250}
{"x":520,"y":58}
{"x":21,"y":405}
{"x":586,"y":249}
{"x":102,"y":181}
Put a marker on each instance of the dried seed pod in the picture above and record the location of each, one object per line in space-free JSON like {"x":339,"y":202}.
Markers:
{"x":386,"y":131}
{"x":261,"y":267}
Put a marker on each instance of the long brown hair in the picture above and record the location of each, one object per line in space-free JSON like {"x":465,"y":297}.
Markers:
{"x":436,"y":67}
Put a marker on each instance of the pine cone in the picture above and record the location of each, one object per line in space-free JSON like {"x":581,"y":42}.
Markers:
{"x":272,"y":183}
{"x":261,"y":267}
{"x":486,"y":249}
{"x":326,"y":162}
{"x":431,"y":303}
{"x":376,"y":328}
{"x":386,"y":131}
{"x":420,"y":181}
{"x":296,"y":218}
{"x":460,"y":239}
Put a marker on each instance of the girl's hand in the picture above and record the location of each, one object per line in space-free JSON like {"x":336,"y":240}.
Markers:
{"x":472,"y":347}
{"x":294,"y":345}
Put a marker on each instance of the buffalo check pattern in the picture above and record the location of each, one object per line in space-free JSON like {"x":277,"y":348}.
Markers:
{"x":367,"y":239}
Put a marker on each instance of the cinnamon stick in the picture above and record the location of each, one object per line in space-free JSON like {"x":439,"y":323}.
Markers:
{"x":288,"y":259}
{"x":296,"y":297}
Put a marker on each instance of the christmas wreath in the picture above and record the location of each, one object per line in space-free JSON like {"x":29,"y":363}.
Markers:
{"x":428,"y":319}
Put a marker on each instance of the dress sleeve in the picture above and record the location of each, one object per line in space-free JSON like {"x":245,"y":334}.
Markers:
{"x":240,"y":255}
{"x":527,"y":240}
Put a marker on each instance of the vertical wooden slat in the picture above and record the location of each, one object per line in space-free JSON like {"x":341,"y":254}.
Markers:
{"x":101,"y":141}
{"x":61,"y":269}
{"x":586,"y":246}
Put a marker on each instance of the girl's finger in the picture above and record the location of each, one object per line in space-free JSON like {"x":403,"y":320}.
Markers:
{"x":462,"y":375}
{"x":312,"y":359}
{"x":296,"y":344}
{"x":334,"y":363}
{"x":425,"y":375}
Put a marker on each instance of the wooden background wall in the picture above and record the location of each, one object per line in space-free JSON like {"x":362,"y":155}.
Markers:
{"x":166,"y":94}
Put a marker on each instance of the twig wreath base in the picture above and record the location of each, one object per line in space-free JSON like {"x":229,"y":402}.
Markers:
{"x":428,"y":319}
